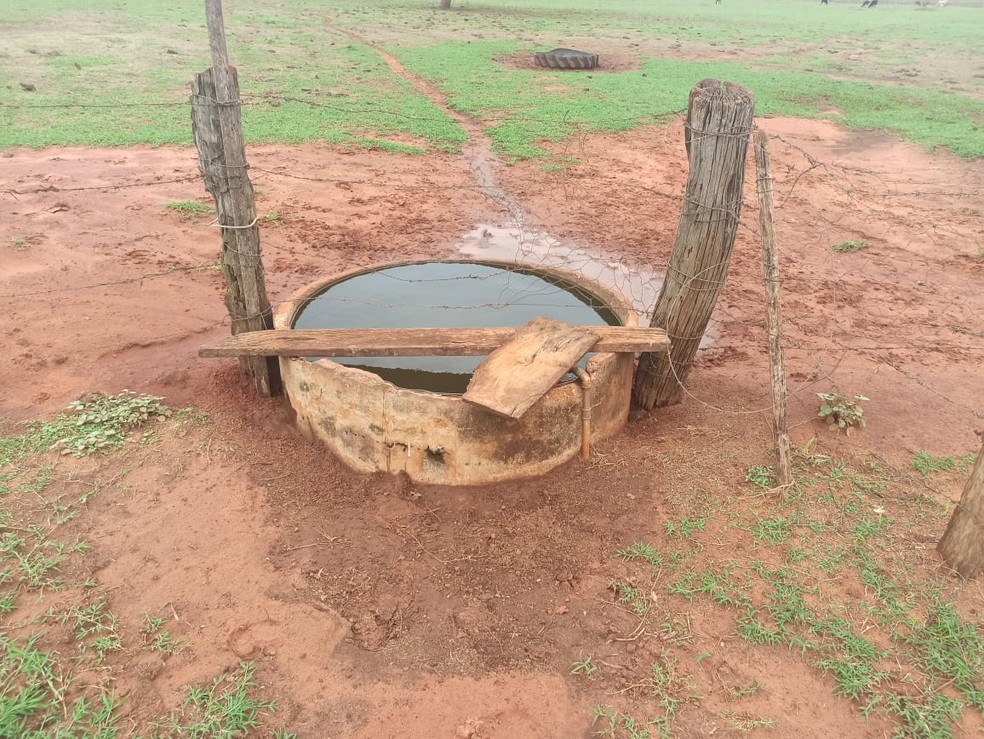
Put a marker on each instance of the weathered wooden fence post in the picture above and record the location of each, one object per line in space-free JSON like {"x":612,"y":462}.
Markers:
{"x":962,"y":546}
{"x":217,"y":126}
{"x":770,"y":267}
{"x":719,"y":122}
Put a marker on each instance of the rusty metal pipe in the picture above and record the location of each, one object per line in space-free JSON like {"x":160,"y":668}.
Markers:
{"x":586,"y":386}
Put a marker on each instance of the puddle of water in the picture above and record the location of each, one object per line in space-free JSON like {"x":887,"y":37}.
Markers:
{"x":537,"y":249}
{"x":446,"y":295}
{"x":639,"y":286}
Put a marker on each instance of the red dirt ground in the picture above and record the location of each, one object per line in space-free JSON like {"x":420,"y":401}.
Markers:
{"x":379,"y":608}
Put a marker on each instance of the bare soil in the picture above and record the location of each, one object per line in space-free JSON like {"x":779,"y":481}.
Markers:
{"x":375,"y":607}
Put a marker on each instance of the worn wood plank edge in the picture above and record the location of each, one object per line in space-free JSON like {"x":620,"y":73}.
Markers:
{"x":516,"y":375}
{"x":397,"y":342}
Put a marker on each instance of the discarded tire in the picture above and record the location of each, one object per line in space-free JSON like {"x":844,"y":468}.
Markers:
{"x":565,"y":59}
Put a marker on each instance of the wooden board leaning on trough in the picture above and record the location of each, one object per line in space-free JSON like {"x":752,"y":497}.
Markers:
{"x":521,"y":371}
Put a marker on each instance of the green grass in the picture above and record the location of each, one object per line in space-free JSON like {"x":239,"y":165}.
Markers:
{"x":846,"y":247}
{"x":96,"y":629}
{"x":926,"y":464}
{"x":223,"y":708}
{"x":189,"y":208}
{"x":304,"y":80}
{"x":584,"y":666}
{"x":822,"y":579}
{"x":536,"y":107}
{"x":33,"y":684}
{"x":39,"y":693}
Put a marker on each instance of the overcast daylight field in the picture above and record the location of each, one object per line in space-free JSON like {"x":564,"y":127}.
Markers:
{"x":176,"y":560}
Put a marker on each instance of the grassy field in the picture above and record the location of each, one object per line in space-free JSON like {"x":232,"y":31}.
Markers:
{"x":111,"y":75}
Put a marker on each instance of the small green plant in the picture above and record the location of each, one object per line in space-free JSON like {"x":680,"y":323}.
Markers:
{"x":846,"y":247}
{"x":272,"y":218}
{"x":685,"y":585}
{"x":156,"y":637}
{"x":584,"y":666}
{"x":630,"y":596}
{"x":641,"y":551}
{"x":18,"y":243}
{"x":615,"y":723}
{"x":666,"y":684}
{"x":745,"y":724}
{"x":772,"y":531}
{"x":840,"y":412}
{"x":925,"y":716}
{"x":737,"y":692}
{"x":95,"y":628}
{"x":760,"y":475}
{"x":685,"y":528}
{"x":101,"y":422}
{"x":925,"y":463}
{"x":189,"y":208}
{"x":225,"y":708}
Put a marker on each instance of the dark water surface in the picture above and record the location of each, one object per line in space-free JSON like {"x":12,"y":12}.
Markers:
{"x":446,"y":295}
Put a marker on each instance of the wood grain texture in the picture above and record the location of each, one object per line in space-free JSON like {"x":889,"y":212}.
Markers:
{"x":770,"y":266}
{"x":412,"y":342}
{"x":217,"y":128}
{"x":719,"y":121}
{"x":521,"y":371}
{"x":962,"y":546}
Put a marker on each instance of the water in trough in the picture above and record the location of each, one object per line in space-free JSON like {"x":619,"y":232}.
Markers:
{"x":446,"y":295}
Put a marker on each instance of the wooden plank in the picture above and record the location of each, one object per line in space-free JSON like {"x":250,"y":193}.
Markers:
{"x":411,"y":342}
{"x":521,"y":371}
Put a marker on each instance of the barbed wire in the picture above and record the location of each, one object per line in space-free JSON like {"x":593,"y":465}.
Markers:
{"x":108,"y":283}
{"x":627,"y":277}
{"x":249,"y":100}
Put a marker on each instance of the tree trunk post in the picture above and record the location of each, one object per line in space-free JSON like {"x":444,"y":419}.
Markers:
{"x":770,"y":266}
{"x":962,"y":546}
{"x":445,"y":4}
{"x":218,"y":131}
{"x":719,"y":122}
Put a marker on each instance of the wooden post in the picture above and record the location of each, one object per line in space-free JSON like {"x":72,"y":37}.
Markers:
{"x":770,"y":265}
{"x":217,"y":126}
{"x":719,"y":121}
{"x":962,"y":546}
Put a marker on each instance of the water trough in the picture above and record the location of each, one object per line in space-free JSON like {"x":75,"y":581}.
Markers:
{"x":406,"y":414}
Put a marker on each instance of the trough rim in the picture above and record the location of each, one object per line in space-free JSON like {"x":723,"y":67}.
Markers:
{"x":286,"y":312}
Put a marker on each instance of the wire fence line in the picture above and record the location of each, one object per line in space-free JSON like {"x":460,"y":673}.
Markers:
{"x":623,"y":275}
{"x":274,"y":101}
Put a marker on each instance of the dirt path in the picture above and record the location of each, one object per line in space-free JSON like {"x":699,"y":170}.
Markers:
{"x":484,"y":164}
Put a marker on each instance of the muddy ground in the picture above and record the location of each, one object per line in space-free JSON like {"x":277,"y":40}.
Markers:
{"x":375,"y":607}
